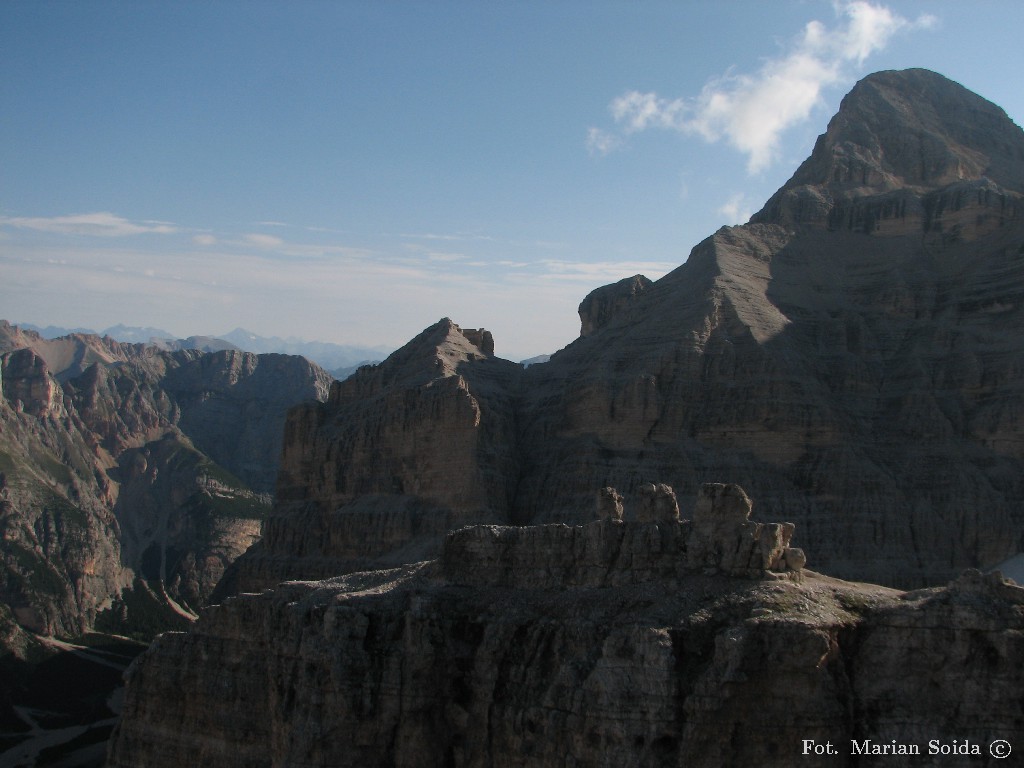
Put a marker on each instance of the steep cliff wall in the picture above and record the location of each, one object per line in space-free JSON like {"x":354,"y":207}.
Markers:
{"x":604,"y":645}
{"x":399,"y":454}
{"x":60,"y":562}
{"x":119,"y":461}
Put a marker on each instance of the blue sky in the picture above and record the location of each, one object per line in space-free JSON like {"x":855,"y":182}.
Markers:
{"x":354,"y":171}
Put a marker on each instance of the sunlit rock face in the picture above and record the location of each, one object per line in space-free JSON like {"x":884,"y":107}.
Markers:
{"x":119,"y":461}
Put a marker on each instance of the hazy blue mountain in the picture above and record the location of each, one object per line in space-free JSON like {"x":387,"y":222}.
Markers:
{"x":53,"y":331}
{"x":135,"y":335}
{"x":534,"y":360}
{"x":340,"y":359}
{"x":325,"y":354}
{"x":202,"y":343}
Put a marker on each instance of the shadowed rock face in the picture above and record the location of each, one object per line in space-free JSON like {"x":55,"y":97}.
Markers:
{"x":400,"y":454}
{"x":852,"y":357}
{"x":608,"y":642}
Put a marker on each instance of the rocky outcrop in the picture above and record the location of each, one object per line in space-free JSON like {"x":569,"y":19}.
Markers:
{"x":720,"y":540}
{"x":602,"y":304}
{"x":658,"y":504}
{"x":398,"y":455}
{"x":609,"y":504}
{"x":524,"y":645}
{"x":28,"y":386}
{"x":60,"y":561}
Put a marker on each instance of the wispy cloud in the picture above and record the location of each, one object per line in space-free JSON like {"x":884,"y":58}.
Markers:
{"x":601,"y":142}
{"x":455,"y":236}
{"x":751,"y":111}
{"x":264,"y":241}
{"x":101,"y":224}
{"x":737,"y":209}
{"x":596,"y":273}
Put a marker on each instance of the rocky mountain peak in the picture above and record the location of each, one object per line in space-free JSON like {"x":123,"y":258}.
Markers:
{"x":905,"y":134}
{"x":438,"y":351}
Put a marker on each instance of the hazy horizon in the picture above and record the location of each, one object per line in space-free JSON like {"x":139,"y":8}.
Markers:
{"x":353,"y":172}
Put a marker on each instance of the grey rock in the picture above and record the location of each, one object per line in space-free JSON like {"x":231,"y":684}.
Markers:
{"x":609,"y":504}
{"x":602,"y":304}
{"x":522,"y":645}
{"x":657,"y":504}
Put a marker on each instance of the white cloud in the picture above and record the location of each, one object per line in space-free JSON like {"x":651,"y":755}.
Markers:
{"x":639,"y":111}
{"x":264,"y":241}
{"x":204,"y":240}
{"x":597,"y":273}
{"x":751,"y":111}
{"x":457,"y":236}
{"x":100,"y":224}
{"x":602,"y":142}
{"x":737,"y":209}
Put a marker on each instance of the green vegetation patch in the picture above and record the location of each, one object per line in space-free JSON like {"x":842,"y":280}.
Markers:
{"x":228,"y":506}
{"x":7,"y":463}
{"x":140,"y":614}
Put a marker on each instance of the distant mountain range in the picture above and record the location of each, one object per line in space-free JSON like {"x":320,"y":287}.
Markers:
{"x":340,"y":359}
{"x":336,"y":358}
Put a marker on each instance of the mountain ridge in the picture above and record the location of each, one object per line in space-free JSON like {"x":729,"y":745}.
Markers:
{"x":852,"y":359}
{"x":340,"y":359}
{"x":835,"y":364}
{"x":120,"y":461}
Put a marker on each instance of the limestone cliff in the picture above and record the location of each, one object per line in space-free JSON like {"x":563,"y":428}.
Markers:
{"x":399,"y":454}
{"x":854,"y":363}
{"x":852,"y":357}
{"x":118,"y":461}
{"x":60,"y":559}
{"x":606,"y":644}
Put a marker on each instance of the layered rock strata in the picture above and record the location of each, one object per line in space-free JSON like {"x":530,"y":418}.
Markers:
{"x":720,"y":540}
{"x":606,"y":644}
{"x":852,"y":357}
{"x":119,"y":461}
{"x":398,"y":455}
